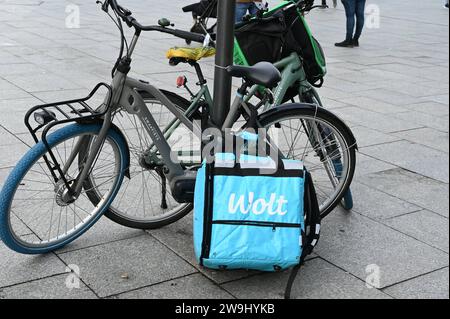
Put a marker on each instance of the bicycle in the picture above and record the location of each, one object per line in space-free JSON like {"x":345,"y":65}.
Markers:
{"x":295,"y":82}
{"x":72,"y":176}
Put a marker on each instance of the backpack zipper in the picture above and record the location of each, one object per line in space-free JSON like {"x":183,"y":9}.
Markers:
{"x":256,"y":224}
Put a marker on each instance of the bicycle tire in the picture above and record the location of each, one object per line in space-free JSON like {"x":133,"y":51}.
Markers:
{"x":27,"y":162}
{"x":311,"y":111}
{"x":347,"y":201}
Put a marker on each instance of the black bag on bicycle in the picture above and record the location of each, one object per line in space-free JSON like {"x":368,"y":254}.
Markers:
{"x":279,"y":33}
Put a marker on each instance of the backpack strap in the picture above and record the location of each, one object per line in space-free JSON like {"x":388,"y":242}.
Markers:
{"x":314,"y":222}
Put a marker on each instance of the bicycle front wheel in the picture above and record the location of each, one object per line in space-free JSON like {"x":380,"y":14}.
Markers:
{"x":318,"y":138}
{"x":36,"y":214}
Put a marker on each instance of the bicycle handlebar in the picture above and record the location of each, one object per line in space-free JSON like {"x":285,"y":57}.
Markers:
{"x":126,"y":16}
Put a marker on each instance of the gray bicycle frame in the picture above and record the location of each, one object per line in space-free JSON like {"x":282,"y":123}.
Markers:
{"x":125,"y":95}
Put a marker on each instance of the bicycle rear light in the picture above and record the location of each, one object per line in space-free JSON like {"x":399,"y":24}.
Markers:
{"x":181,"y":81}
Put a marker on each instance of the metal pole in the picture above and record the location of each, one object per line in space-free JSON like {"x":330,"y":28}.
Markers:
{"x":224,"y":58}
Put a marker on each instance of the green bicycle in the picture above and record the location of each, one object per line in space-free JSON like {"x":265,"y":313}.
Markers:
{"x":324,"y":154}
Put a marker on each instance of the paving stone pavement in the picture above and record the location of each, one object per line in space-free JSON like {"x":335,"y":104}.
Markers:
{"x":393,"y":91}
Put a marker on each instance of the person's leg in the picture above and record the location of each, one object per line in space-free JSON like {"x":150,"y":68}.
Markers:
{"x":350,"y":7}
{"x":360,"y":18}
{"x":350,"y":12}
{"x":241,"y":11}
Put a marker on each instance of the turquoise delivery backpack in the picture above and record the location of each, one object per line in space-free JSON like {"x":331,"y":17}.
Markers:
{"x":251,"y":213}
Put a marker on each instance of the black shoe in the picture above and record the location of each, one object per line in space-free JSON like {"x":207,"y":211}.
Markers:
{"x":345,"y":44}
{"x":355,"y":42}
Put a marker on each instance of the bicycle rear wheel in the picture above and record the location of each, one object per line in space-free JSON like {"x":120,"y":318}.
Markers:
{"x":347,"y":200}
{"x":316,"y":137}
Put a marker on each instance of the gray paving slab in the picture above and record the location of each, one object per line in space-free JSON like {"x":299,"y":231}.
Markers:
{"x":414,"y":157}
{"x":354,"y":242}
{"x":430,"y":107}
{"x":381,"y":122}
{"x":378,"y":205}
{"x":37,"y":83}
{"x":9,"y":91}
{"x":419,"y":190}
{"x":13,"y":138}
{"x":104,"y":231}
{"x":374,"y":105}
{"x":4,"y":136}
{"x":430,"y":286}
{"x":7,"y":58}
{"x":369,"y":137}
{"x":4,"y":172}
{"x":425,"y":226}
{"x":426,"y":136}
{"x":21,"y":69}
{"x":372,"y":74}
{"x":20,"y":228}
{"x":19,"y":106}
{"x":178,"y":237}
{"x":18,"y":268}
{"x":418,"y":91}
{"x":318,"y":279}
{"x":332,"y":93}
{"x":390,"y":96}
{"x":367,"y":165}
{"x":194,"y":286}
{"x":48,"y":288}
{"x":444,"y":98}
{"x":125,"y":265}
{"x":332,"y":104}
{"x":424,"y":119}
{"x":11,"y":154}
{"x":348,"y":86}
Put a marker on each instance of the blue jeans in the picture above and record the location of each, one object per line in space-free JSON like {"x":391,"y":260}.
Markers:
{"x":354,"y":8}
{"x":242,"y":8}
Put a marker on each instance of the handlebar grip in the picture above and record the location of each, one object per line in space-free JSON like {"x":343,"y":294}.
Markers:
{"x":190,"y":36}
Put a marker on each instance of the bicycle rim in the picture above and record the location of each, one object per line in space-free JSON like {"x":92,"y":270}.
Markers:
{"x":292,"y":135}
{"x":39,"y":216}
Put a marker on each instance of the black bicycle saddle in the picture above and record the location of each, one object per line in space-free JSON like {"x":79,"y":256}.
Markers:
{"x":262,"y":73}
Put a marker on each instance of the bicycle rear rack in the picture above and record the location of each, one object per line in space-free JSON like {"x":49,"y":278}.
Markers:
{"x":47,"y":116}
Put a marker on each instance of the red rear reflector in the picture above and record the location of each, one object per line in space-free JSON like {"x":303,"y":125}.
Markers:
{"x":181,"y":81}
